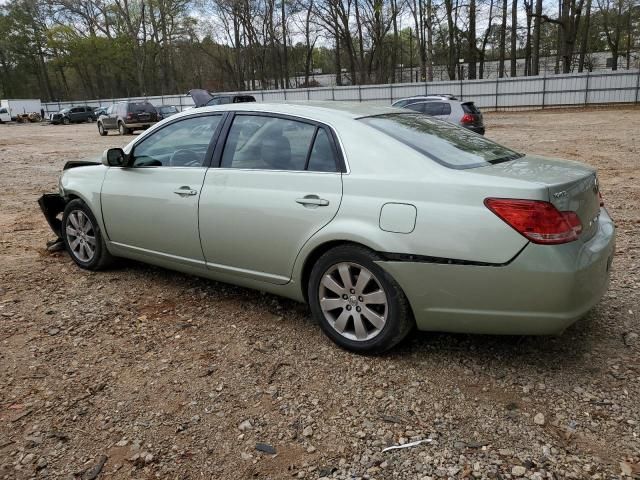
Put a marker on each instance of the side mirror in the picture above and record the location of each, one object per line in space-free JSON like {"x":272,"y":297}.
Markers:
{"x":114,"y":157}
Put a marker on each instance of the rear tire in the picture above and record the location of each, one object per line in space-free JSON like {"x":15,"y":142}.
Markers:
{"x":101,"y":130}
{"x":358,"y":305}
{"x":83,"y":238}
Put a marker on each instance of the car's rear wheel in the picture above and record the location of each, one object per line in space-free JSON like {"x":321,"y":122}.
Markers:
{"x":83,"y":238}
{"x":122,"y":129}
{"x":358,"y":305}
{"x":101,"y":129}
{"x":66,"y":121}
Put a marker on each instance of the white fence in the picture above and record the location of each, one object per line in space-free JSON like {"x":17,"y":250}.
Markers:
{"x":578,"y":89}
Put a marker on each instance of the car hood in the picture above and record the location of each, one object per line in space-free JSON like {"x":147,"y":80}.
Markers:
{"x":200,"y":97}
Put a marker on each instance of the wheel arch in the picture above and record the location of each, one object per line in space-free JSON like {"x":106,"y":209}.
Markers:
{"x":312,"y":257}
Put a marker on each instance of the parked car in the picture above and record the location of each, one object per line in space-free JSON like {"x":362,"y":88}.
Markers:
{"x":204,"y":98}
{"x":5,"y":116}
{"x":125,"y":117}
{"x":465,"y":114}
{"x":380,"y":218}
{"x":77,"y":114}
{"x":426,"y":98}
{"x":100,"y":111}
{"x":165,"y":111}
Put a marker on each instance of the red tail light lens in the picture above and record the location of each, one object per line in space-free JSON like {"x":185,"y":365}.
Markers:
{"x":467,"y":118}
{"x":538,"y":221}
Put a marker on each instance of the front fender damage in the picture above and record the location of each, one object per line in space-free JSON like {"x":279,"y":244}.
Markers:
{"x":52,"y":205}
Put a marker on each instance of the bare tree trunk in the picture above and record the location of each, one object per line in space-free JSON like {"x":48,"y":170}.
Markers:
{"x":429,"y":49}
{"x":503,"y":39}
{"x":472,"y":53}
{"x":584,"y":41}
{"x":535,"y":54}
{"x":514,"y":38}
{"x":284,"y":45}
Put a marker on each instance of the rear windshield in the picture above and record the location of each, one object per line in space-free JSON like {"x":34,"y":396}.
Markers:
{"x":141,"y":107}
{"x":448,"y":144}
{"x":470,"y":107}
{"x":168,"y":109}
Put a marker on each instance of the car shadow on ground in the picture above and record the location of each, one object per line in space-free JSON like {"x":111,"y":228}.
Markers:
{"x":575,"y":346}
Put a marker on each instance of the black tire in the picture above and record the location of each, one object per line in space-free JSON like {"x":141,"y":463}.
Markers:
{"x":101,"y":257}
{"x":399,"y":318}
{"x":66,"y":121}
{"x":101,"y":130}
{"x":122,"y":129}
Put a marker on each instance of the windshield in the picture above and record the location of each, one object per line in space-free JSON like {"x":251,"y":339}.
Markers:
{"x":64,"y":110}
{"x":169,"y":109}
{"x":448,"y":144}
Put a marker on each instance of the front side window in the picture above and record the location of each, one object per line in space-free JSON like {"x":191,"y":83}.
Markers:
{"x":444,"y":142}
{"x":271,"y":143}
{"x":180,"y":144}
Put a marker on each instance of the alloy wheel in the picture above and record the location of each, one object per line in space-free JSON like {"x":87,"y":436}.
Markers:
{"x":81,"y":236}
{"x":353,"y":301}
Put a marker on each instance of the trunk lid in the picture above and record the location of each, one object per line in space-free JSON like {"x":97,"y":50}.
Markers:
{"x":572,"y":186}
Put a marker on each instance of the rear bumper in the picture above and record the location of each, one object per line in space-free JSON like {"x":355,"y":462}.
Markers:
{"x":139,"y":125}
{"x":478,"y":130}
{"x":542,"y":291}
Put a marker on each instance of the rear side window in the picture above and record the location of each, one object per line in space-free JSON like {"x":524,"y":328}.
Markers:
{"x":448,"y":144}
{"x":470,"y":107}
{"x":436,"y":108}
{"x":322,"y":158}
{"x":141,"y":107}
{"x":446,"y":109}
{"x":271,"y":143}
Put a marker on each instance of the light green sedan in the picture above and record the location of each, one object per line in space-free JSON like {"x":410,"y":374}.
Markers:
{"x":381,"y":219}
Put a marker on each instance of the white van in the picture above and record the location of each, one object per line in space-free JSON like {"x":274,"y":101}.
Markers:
{"x":5,"y":116}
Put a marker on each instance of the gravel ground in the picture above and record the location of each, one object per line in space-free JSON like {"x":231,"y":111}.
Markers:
{"x":140,"y":372}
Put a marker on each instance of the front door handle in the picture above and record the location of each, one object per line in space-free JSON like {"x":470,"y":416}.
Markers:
{"x":312,"y":201}
{"x":185,"y":191}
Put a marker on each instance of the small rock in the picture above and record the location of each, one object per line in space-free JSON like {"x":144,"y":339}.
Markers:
{"x":378,"y":394}
{"x":308,"y":431}
{"x":28,"y":458}
{"x":53,"y":331}
{"x":539,"y":419}
{"x":311,"y":449}
{"x":122,"y":443}
{"x":42,"y":463}
{"x":266,"y":448}
{"x":518,"y":471}
{"x":244,"y":426}
{"x":246,"y":456}
{"x":630,"y":339}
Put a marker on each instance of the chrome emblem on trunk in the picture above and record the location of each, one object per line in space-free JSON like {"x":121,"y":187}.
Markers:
{"x":560,"y":194}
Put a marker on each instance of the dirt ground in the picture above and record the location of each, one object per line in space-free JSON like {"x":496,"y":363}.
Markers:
{"x":140,"y":372}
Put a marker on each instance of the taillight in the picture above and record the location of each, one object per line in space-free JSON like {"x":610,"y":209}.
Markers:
{"x":537,"y":220}
{"x":467,"y":118}
{"x":129,"y":116}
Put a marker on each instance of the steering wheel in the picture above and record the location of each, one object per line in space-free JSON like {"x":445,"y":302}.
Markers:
{"x":184,"y":158}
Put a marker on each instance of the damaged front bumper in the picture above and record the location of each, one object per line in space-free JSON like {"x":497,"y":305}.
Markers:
{"x":52,"y":205}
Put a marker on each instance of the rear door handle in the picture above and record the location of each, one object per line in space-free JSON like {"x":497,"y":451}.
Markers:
{"x":312,"y":201}
{"x":185,"y":191}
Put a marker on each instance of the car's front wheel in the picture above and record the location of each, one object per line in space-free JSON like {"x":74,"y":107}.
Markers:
{"x":83,"y":238}
{"x":358,"y":305}
{"x":122,"y":129}
{"x":66,"y":121}
{"x":101,"y":129}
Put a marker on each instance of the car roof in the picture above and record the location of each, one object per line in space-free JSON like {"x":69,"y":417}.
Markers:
{"x":319,"y":110}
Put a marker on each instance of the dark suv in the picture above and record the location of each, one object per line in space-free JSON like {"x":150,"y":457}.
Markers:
{"x":73,"y":115}
{"x":127,"y":117}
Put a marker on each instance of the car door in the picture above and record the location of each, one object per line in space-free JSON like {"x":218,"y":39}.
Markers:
{"x":108,"y":119}
{"x":278,"y":183}
{"x":151,"y":206}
